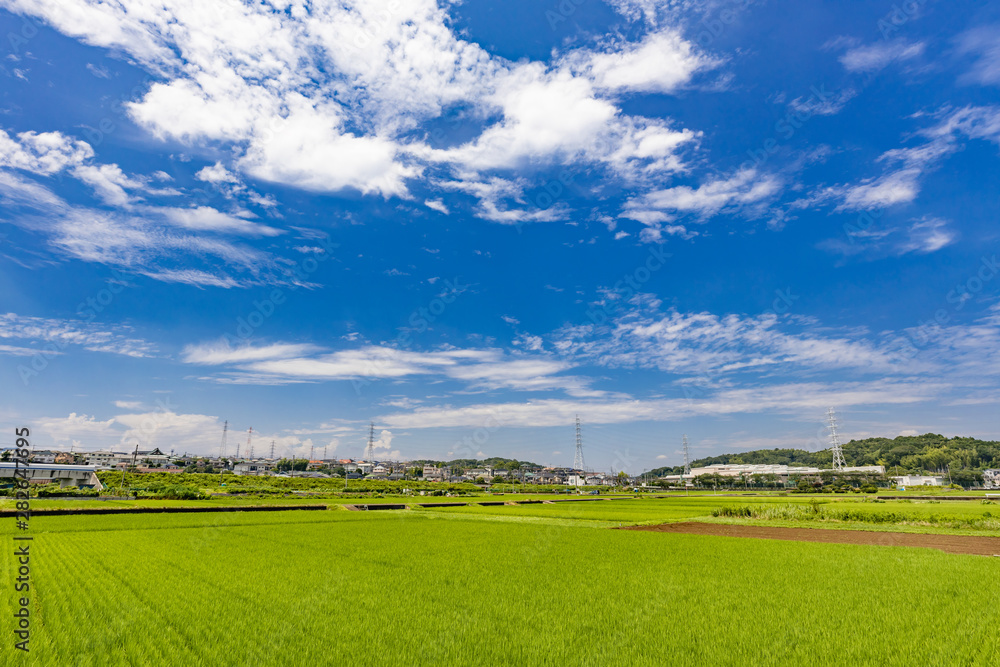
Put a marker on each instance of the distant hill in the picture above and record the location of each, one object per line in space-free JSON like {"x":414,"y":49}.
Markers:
{"x":910,"y":454}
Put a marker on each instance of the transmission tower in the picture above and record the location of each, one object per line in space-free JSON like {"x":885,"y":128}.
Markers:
{"x":370,"y":450}
{"x":838,"y":451}
{"x":249,"y":440}
{"x":312,"y":453}
{"x":324,"y":452}
{"x":272,"y":450}
{"x":687,"y":456}
{"x":222,"y":447}
{"x":578,"y":459}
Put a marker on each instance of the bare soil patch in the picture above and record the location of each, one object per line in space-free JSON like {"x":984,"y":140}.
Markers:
{"x":953,"y":544}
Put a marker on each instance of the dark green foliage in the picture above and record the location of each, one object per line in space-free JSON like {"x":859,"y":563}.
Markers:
{"x":54,"y":490}
{"x":910,"y":454}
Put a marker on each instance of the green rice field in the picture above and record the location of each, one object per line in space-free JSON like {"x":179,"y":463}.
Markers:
{"x":541,"y":584}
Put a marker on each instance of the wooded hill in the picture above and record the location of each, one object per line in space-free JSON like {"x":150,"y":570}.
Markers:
{"x":909,"y":454}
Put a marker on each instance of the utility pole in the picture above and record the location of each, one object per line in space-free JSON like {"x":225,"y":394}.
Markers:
{"x":121,"y":485}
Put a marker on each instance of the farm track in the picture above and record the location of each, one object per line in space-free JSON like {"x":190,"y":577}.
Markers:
{"x":953,"y":544}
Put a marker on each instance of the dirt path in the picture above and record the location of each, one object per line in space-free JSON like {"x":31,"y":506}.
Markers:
{"x":953,"y":544}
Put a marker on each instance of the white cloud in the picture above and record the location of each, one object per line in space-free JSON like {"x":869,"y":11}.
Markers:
{"x":334,"y":96}
{"x":661,"y":63}
{"x":984,"y":44}
{"x":220,"y":352}
{"x":64,"y":333}
{"x":711,"y":347}
{"x":206,"y":218}
{"x":816,"y":105}
{"x":927,"y":235}
{"x":496,"y":196}
{"x":796,"y":399}
{"x":477,"y":369}
{"x":109,"y":182}
{"x":901,"y":181}
{"x":877,"y":56}
{"x":46,"y":153}
{"x":744,"y":188}
{"x":216,"y":173}
{"x":437,"y":205}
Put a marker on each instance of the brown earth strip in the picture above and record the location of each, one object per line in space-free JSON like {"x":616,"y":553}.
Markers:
{"x":953,"y":544}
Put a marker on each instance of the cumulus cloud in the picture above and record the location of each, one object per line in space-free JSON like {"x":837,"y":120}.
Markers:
{"x":338,"y":96}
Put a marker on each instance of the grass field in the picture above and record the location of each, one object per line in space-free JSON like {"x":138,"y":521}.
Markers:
{"x":532,"y":584}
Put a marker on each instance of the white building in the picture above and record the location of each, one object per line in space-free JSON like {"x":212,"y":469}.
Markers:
{"x":105,"y":459}
{"x":435,"y":474}
{"x":918,"y":480}
{"x":782,"y":471}
{"x":49,"y":473}
{"x":253,"y":468}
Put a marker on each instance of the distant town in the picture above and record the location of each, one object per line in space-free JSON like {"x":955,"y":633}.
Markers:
{"x":79,"y":469}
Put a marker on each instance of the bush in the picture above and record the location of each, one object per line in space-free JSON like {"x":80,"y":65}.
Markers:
{"x":869,"y":488}
{"x":54,"y":491}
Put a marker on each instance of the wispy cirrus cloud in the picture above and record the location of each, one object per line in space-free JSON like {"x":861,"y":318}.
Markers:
{"x":475,"y":369}
{"x":906,"y":167}
{"x":65,"y":333}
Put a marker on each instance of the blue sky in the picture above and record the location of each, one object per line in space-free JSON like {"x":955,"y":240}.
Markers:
{"x":471,"y":222}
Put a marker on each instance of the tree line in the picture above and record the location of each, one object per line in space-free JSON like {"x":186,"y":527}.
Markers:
{"x":964,"y":457}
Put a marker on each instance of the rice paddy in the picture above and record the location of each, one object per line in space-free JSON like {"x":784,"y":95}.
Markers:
{"x":539,"y":584}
